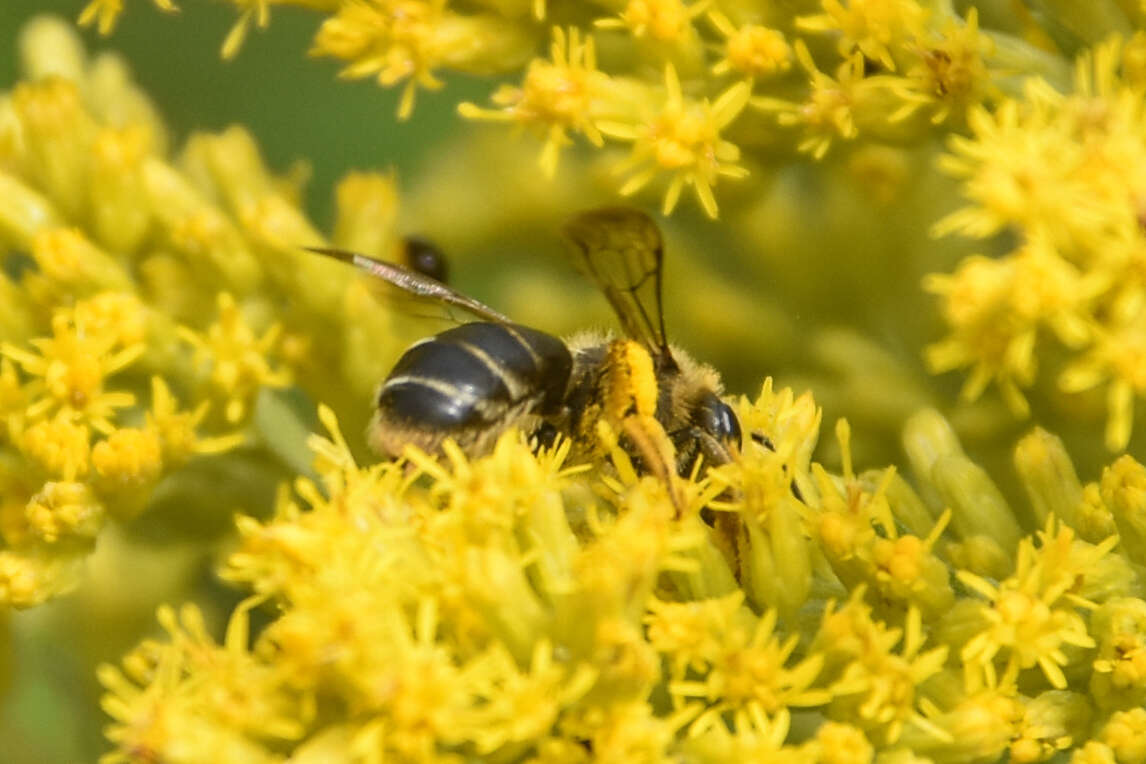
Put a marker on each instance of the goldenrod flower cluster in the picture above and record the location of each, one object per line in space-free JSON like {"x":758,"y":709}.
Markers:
{"x":518,"y":608}
{"x":731,"y":67}
{"x":158,"y":314}
{"x":139,"y":317}
{"x":1066,"y":173}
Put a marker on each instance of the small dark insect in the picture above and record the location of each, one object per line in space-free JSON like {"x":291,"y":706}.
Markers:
{"x":424,"y":257}
{"x":474,"y":381}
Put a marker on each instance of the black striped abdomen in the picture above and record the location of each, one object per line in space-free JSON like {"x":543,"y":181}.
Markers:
{"x":473,"y":375}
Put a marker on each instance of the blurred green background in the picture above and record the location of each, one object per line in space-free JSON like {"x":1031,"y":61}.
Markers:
{"x":293,"y":104}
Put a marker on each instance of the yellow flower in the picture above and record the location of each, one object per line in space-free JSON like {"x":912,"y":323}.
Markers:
{"x":907,"y":569}
{"x":977,"y":727}
{"x":67,"y":259}
{"x":65,"y":510}
{"x":1094,"y":752}
{"x":873,"y":27}
{"x":58,"y":446}
{"x":239,"y":361}
{"x":760,"y":739}
{"x":684,"y":140}
{"x":665,"y":20}
{"x":831,"y":106}
{"x":1119,"y":627}
{"x":996,"y":307}
{"x":523,"y":705}
{"x":32,"y":577}
{"x":1030,"y":617}
{"x":69,"y":371}
{"x":120,"y":317}
{"x":120,"y":156}
{"x":871,"y":686}
{"x":986,"y":526}
{"x":565,"y":94}
{"x":176,"y":430}
{"x":492,"y":624}
{"x":127,"y":460}
{"x":1125,"y":733}
{"x":1052,"y":722}
{"x":741,"y":667}
{"x":397,"y":40}
{"x":1021,"y":167}
{"x":367,"y":212}
{"x":840,"y":744}
{"x":55,"y":134}
{"x":257,"y":11}
{"x":1043,"y":464}
{"x":387,"y":38}
{"x":106,"y":12}
{"x":1123,"y":490}
{"x":751,"y":50}
{"x":424,"y":691}
{"x":620,"y":732}
{"x":951,"y":73}
{"x":1119,"y":356}
{"x":13,"y":398}
{"x":1069,"y":182}
{"x":193,"y":697}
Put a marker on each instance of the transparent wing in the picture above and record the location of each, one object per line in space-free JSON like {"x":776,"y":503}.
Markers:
{"x":621,"y":250}
{"x":411,"y":283}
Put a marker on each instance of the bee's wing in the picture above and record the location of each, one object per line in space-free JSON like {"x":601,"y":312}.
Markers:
{"x":621,"y":250}
{"x":410,"y":282}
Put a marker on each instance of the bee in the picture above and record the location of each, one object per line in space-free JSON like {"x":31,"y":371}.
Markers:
{"x":474,"y":381}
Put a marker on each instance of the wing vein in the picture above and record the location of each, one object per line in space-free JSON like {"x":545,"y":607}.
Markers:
{"x":621,"y":251}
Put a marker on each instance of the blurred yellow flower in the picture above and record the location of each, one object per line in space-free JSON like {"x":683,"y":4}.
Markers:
{"x":407,"y":40}
{"x":830,"y":109}
{"x":106,"y":12}
{"x":1070,"y":185}
{"x":239,"y":361}
{"x":665,"y":20}
{"x":751,"y":50}
{"x":873,"y":27}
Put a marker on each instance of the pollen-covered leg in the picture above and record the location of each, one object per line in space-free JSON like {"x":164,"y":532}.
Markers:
{"x":631,"y":392}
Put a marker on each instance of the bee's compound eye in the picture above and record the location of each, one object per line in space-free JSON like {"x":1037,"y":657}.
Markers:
{"x":717,"y":418}
{"x":425,"y":258}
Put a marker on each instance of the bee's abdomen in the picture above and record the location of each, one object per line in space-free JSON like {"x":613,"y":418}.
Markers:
{"x":416,"y":402}
{"x":473,"y":375}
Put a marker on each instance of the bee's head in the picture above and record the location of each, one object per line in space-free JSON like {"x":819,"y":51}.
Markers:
{"x":717,"y":419}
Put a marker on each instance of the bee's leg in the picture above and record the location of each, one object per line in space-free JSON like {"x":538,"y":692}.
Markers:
{"x":687,"y":450}
{"x":693,"y":442}
{"x":652,"y":449}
